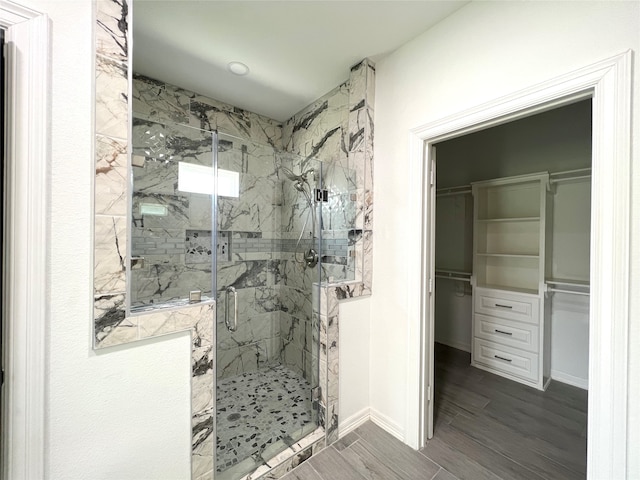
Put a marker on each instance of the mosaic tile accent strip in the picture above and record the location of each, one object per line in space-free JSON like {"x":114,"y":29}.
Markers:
{"x":198,"y":245}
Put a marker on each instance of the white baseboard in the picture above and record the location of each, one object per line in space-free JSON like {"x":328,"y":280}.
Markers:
{"x":354,"y":421}
{"x":387,"y":424}
{"x":570,"y":379}
{"x":366,"y":414}
{"x":457,"y":345}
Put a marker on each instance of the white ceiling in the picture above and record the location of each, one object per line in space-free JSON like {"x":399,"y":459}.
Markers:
{"x":296,"y":50}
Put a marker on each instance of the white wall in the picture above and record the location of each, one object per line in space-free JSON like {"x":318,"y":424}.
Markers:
{"x":482,"y":52}
{"x":454,"y":252}
{"x":570,"y":339}
{"x":553,"y":141}
{"x":122,"y":413}
{"x":570,"y":260}
{"x":354,"y":352}
{"x":453,"y":313}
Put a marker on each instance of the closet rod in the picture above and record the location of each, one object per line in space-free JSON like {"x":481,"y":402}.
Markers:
{"x":459,"y":190}
{"x":452,"y":272}
{"x":460,"y":279}
{"x":568,"y":179}
{"x":569,"y":175}
{"x":560,"y":290}
{"x":568,"y":283}
{"x":450,"y":194}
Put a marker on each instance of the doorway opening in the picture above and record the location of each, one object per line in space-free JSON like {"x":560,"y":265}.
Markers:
{"x":512,"y":234}
{"x":608,"y":84}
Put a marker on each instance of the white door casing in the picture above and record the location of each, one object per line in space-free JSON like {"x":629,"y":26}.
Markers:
{"x":25,"y":301}
{"x":608,"y":83}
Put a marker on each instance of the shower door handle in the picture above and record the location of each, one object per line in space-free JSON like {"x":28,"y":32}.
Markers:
{"x":232,"y":291}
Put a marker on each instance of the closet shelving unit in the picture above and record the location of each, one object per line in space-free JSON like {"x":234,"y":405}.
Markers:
{"x":520,"y":257}
{"x":510,"y":336}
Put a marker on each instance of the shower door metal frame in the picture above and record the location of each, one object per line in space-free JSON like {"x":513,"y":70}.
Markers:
{"x":214,"y":295}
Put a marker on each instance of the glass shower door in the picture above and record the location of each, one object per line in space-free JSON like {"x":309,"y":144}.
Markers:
{"x":267,"y":336}
{"x":171,"y":215}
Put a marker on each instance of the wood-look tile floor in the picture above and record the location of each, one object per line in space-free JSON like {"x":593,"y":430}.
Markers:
{"x":486,"y":427}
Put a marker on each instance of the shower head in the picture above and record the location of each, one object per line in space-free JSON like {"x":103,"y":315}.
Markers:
{"x":297,"y":178}
{"x":290,"y":175}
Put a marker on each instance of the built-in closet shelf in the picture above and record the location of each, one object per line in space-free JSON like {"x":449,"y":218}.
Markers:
{"x":504,"y":220}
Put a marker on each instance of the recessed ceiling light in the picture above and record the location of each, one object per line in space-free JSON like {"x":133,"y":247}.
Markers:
{"x":238,"y":68}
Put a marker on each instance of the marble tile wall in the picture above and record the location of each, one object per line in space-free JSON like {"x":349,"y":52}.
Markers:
{"x":162,"y":102}
{"x":359,"y":147}
{"x":338,"y":129}
{"x":264,"y":225}
{"x":112,"y":325}
{"x":321,"y":131}
{"x":178,"y":256}
{"x":361,"y":134}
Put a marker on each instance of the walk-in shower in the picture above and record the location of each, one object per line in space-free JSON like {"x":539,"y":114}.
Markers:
{"x":220,"y":217}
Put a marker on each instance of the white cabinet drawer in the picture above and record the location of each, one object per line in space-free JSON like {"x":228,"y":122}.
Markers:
{"x":507,"y":332}
{"x":513,"y":306}
{"x":506,"y":359}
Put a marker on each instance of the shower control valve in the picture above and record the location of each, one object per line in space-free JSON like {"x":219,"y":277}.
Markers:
{"x":311,"y":258}
{"x":321,"y":195}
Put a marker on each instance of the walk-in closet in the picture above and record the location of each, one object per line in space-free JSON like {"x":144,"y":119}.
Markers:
{"x":512,"y":232}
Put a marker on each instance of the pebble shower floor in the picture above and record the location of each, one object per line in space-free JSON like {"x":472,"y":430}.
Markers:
{"x":256,"y":410}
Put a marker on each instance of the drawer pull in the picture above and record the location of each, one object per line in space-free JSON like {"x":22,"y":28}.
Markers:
{"x":503,"y":306}
{"x":504,"y":333}
{"x":502,"y":358}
